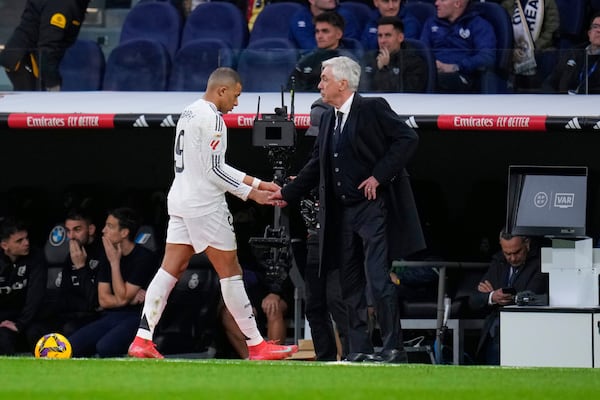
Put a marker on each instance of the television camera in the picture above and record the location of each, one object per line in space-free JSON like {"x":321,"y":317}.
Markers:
{"x":277,"y":134}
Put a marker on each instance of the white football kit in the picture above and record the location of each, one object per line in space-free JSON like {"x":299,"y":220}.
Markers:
{"x":196,"y":202}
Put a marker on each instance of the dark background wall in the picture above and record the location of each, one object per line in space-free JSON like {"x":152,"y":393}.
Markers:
{"x":459,"y":177}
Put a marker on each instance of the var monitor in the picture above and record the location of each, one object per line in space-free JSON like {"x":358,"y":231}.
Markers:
{"x":547,"y":201}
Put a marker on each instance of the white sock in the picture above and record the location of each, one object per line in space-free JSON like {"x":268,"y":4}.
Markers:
{"x":237,"y":302}
{"x":156,"y":300}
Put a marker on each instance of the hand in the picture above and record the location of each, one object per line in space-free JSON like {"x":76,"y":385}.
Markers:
{"x":78,"y":254}
{"x":369,"y":186}
{"x":499,"y":297}
{"x":485,"y":287}
{"x":446,"y":68}
{"x":269,"y":186}
{"x":277,"y":199}
{"x":383,"y":58}
{"x":113,"y":252}
{"x":261,"y":196}
{"x":270,"y":304}
{"x":139,"y":297}
{"x":9,"y":325}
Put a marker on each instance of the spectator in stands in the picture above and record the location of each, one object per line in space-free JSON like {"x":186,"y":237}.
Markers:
{"x":518,"y":267}
{"x":389,"y":8}
{"x":78,"y":301}
{"x":534,"y":30}
{"x":328,"y":32}
{"x":23,"y":274}
{"x":577,"y":71}
{"x":395,"y":67}
{"x":121,"y":289}
{"x":302,"y":25}
{"x":357,"y":163}
{"x":463,"y":44}
{"x":200,"y":220}
{"x":33,"y":53}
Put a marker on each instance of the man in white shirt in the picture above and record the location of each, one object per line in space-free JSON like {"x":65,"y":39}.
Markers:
{"x":200,"y":219}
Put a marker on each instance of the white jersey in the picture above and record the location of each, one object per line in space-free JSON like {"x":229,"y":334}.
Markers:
{"x":201,"y":175}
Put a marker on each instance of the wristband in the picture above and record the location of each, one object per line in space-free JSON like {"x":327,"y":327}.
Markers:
{"x":256,"y":183}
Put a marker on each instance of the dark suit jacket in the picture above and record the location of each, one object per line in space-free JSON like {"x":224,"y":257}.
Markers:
{"x":381,"y":140}
{"x":530,"y":277}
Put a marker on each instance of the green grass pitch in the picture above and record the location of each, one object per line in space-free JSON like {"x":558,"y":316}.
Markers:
{"x":132,"y":379}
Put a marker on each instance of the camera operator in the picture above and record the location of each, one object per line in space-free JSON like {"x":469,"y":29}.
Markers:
{"x":516,"y":268}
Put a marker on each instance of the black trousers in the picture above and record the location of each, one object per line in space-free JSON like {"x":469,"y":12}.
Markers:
{"x":23,"y":341}
{"x":364,"y":257}
{"x":324,"y":301}
{"x":22,"y":77}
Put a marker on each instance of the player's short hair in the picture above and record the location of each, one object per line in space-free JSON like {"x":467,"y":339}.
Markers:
{"x":223,"y":76}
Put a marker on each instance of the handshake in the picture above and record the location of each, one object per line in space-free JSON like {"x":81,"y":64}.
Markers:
{"x":262,"y":192}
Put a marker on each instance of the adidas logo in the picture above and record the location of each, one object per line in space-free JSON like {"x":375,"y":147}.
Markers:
{"x":597,"y":125}
{"x":140,"y":122}
{"x":168,"y":122}
{"x":573,"y":124}
{"x":411,"y":122}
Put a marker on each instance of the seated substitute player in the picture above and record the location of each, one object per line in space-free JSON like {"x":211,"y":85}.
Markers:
{"x":199,"y":218}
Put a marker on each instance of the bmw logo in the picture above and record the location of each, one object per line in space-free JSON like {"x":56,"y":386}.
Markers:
{"x":58,"y":235}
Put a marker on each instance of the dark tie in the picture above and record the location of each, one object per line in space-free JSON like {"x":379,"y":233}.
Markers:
{"x":337,"y":132}
{"x":512,"y":275}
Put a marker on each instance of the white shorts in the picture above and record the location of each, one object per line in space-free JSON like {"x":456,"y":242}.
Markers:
{"x":214,"y":230}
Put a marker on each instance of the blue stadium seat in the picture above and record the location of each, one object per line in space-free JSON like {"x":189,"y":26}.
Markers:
{"x":573,"y":22}
{"x":426,"y":53}
{"x":264,"y":68}
{"x":421,"y":10}
{"x":157,"y":20}
{"x":195,"y":61}
{"x":352,"y":48}
{"x":274,"y":20}
{"x":137,"y":65}
{"x":82,"y":67}
{"x":361,"y":11}
{"x":496,"y":81}
{"x":217,"y":20}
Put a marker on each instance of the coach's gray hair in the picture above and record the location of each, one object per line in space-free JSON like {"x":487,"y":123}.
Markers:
{"x":344,"y":68}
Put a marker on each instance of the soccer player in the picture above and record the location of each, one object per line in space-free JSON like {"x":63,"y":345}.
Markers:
{"x":200,"y":219}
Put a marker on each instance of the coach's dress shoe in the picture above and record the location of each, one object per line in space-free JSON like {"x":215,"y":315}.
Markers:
{"x":363,"y":357}
{"x":394,"y":357}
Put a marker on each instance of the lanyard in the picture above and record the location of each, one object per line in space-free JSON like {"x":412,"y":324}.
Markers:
{"x":589,"y":73}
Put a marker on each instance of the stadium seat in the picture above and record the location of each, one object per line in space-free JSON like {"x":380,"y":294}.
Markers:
{"x":573,"y":22}
{"x":427,"y":55}
{"x":352,"y":48}
{"x":495,"y":81}
{"x":217,"y":20}
{"x":265,"y":68}
{"x":137,"y":65}
{"x":82,"y":67}
{"x":361,"y":11}
{"x":421,"y":10}
{"x":274,"y":21}
{"x":195,"y":61}
{"x":153,"y":20}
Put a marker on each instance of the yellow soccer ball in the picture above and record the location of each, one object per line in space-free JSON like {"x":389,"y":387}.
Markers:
{"x":53,"y":345}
